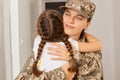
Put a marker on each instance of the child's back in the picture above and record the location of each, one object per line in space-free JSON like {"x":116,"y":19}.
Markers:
{"x":46,"y":62}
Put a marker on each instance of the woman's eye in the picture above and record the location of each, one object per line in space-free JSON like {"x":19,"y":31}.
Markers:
{"x":78,"y":18}
{"x":67,"y":14}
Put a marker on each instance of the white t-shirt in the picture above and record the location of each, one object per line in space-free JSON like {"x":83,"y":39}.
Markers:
{"x":47,"y":64}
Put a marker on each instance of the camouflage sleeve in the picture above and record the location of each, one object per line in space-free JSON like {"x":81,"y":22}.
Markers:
{"x":57,"y":74}
{"x":26,"y":71}
{"x":90,"y":67}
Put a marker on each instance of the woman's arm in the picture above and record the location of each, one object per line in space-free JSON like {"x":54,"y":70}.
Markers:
{"x":93,"y":45}
{"x":90,"y":68}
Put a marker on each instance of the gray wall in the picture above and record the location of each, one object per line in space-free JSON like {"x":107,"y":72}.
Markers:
{"x":34,"y":13}
{"x":102,"y":27}
{"x":2,"y":59}
{"x":116,"y":18}
{"x":25,"y":33}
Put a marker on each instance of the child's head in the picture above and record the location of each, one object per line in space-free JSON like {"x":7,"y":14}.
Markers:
{"x":50,"y":28}
{"x":50,"y":25}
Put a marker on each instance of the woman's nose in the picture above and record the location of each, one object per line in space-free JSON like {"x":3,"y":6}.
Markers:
{"x":71,"y":20}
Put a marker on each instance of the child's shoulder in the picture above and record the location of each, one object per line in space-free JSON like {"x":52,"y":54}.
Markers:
{"x":38,"y":37}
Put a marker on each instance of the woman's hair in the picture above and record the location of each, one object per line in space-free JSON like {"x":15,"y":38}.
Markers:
{"x":83,"y":36}
{"x":50,"y":28}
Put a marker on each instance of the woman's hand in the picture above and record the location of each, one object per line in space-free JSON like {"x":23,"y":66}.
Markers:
{"x":63,"y":54}
{"x":60,"y":51}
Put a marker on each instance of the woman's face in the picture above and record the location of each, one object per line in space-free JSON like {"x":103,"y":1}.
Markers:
{"x":74,"y":23}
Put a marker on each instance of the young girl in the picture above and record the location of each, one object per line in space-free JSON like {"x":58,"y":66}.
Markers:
{"x":50,"y":29}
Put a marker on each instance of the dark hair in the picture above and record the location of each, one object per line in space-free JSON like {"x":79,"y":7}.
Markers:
{"x":89,"y":19}
{"x":50,"y":28}
{"x":83,"y":36}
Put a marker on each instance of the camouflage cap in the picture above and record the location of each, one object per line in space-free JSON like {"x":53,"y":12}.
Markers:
{"x":85,"y":7}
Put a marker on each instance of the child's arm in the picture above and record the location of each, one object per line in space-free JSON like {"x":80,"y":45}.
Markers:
{"x":93,"y":45}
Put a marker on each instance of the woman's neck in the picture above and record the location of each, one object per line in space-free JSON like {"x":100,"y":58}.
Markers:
{"x":75,"y":37}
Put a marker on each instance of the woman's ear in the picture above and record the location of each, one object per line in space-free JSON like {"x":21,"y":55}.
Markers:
{"x":87,"y":25}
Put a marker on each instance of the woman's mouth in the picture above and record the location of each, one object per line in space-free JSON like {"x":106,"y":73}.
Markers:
{"x":69,"y":26}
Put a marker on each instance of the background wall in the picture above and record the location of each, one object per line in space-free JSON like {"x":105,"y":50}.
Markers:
{"x":2,"y":59}
{"x":105,"y":25}
{"x":103,"y":28}
{"x":25,"y":34}
{"x":116,"y":20}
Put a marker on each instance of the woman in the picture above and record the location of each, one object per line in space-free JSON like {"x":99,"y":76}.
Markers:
{"x":76,"y":19}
